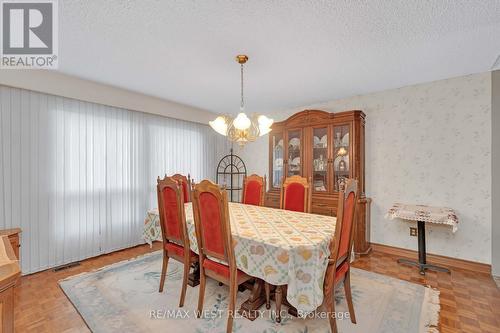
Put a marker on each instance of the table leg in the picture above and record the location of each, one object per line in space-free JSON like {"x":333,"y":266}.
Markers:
{"x":194,"y":278}
{"x":267,"y":288}
{"x":422,"y":259}
{"x":291,"y":309}
{"x":257,"y":298}
{"x":278,"y":295}
{"x":422,"y":256}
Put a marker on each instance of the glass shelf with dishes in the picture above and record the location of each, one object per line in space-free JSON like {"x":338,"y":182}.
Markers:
{"x":277,"y":151}
{"x":326,"y":148}
{"x":341,"y":149}
{"x":294,"y":153}
{"x":320,"y":159}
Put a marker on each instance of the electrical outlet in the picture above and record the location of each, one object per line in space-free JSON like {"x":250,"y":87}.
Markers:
{"x":413,"y":231}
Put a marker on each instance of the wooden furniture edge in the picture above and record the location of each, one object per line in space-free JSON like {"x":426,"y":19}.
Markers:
{"x":434,"y":258}
{"x":9,"y":276}
{"x":9,"y":272}
{"x":10,"y":232}
{"x":14,"y":237}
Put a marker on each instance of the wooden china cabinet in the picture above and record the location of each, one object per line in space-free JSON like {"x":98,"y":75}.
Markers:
{"x":326,"y":148}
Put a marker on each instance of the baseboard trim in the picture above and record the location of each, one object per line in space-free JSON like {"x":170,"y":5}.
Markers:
{"x":434,"y":258}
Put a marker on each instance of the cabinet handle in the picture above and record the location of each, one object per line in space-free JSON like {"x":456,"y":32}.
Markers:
{"x":321,"y":205}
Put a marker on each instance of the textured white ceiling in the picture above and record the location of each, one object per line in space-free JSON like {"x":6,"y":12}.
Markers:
{"x":301,"y":52}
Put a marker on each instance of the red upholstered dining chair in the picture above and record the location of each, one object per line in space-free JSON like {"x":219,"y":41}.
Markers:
{"x":213,"y":233}
{"x":339,"y":269}
{"x":296,"y":194}
{"x":254,"y":188}
{"x":186,"y":185}
{"x":174,"y":231}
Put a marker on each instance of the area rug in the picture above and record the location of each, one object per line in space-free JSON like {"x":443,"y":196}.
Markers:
{"x":124,"y":297}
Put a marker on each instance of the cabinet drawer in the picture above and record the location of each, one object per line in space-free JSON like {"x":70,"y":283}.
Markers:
{"x":272,"y":201}
{"x":322,"y":209}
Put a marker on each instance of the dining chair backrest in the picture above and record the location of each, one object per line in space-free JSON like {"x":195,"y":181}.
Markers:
{"x":211,"y":216}
{"x":254,"y":187}
{"x":296,"y":194}
{"x":186,"y":183}
{"x":341,"y":246}
{"x":171,"y":211}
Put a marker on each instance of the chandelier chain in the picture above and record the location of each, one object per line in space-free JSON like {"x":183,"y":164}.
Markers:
{"x":242,"y":105}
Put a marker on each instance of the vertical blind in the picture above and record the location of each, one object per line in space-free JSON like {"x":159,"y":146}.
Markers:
{"x":78,"y":177}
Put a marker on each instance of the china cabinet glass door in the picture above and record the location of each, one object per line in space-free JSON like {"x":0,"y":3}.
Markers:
{"x":278,"y":152}
{"x":341,"y":165}
{"x":320,"y":159}
{"x":294,"y":144}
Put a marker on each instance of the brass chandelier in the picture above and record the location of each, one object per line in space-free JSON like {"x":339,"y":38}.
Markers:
{"x":242,"y":129}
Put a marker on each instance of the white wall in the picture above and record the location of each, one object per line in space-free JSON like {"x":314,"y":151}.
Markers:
{"x":55,"y":83}
{"x":495,"y":227}
{"x":427,"y":144}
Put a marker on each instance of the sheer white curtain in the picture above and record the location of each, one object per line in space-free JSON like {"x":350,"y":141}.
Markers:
{"x":78,"y":177}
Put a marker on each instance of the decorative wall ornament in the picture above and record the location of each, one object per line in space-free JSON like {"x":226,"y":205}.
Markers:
{"x":231,"y":171}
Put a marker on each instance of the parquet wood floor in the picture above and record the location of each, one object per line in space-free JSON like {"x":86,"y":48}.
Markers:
{"x":470,"y":302}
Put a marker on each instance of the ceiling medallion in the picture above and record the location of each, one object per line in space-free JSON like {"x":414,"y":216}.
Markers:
{"x":242,"y":129}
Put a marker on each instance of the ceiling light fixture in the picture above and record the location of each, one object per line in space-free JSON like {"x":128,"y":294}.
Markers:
{"x":242,"y":129}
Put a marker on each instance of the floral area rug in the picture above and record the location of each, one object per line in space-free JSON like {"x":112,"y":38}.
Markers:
{"x":124,"y":297}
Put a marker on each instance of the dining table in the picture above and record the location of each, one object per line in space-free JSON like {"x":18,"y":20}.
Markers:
{"x":280,"y":247}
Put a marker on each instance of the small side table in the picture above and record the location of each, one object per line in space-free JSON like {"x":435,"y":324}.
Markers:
{"x":423,"y":214}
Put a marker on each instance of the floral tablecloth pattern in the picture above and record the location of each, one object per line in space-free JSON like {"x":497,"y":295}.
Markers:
{"x":152,"y":229}
{"x":278,"y":246}
{"x":439,"y":215}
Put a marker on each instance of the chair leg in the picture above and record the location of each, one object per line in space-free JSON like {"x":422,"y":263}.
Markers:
{"x":233,"y":293}
{"x":348,"y":296}
{"x":187,"y":265}
{"x":163,"y":270}
{"x":267,"y":287}
{"x":330,"y":308}
{"x":278,"y":294}
{"x":201,"y":294}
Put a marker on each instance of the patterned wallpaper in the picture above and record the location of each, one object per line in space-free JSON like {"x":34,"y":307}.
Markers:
{"x":425,"y":144}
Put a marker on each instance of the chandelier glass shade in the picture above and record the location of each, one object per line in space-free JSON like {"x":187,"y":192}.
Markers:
{"x":242,"y":129}
{"x":219,"y":125}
